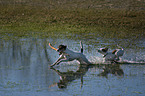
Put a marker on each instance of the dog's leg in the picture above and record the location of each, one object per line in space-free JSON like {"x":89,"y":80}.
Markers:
{"x":57,"y":61}
{"x":62,"y":60}
{"x":114,"y":62}
{"x":86,"y":61}
{"x":105,"y":55}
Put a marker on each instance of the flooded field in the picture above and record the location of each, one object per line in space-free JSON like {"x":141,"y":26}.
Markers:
{"x":28,"y":26}
{"x":25,"y":71}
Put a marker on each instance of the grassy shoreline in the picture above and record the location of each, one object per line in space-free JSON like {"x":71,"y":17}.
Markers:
{"x":24,"y":20}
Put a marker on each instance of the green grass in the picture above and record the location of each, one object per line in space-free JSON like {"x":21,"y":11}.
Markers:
{"x":95,"y":18}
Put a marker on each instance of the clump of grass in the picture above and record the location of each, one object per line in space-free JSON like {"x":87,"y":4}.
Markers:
{"x":25,"y":18}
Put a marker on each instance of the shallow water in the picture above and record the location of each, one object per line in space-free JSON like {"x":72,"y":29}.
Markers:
{"x":24,"y":69}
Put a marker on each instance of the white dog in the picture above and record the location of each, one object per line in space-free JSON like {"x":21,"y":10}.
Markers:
{"x":68,"y":55}
{"x":111,"y":56}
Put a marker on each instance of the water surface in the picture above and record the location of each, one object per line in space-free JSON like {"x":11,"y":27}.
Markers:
{"x":24,"y":68}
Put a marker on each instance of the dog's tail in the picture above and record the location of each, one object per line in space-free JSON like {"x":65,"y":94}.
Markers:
{"x":120,"y":47}
{"x":81,"y":46}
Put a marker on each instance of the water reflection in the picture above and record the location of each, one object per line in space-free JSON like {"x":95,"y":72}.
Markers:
{"x":69,"y":76}
{"x":112,"y":69}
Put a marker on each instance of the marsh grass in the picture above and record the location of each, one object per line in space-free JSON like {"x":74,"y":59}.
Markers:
{"x":83,"y":18}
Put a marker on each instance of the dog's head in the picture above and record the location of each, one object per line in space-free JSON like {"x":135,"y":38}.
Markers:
{"x":61,"y":49}
{"x":103,"y":50}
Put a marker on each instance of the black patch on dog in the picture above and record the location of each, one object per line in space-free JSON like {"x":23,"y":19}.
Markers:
{"x":60,"y":47}
{"x":105,"y":49}
{"x":81,"y":50}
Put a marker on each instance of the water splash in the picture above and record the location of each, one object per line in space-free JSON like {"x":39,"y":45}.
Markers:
{"x":101,"y":60}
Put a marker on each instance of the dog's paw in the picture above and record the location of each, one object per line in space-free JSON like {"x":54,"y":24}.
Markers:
{"x":51,"y":66}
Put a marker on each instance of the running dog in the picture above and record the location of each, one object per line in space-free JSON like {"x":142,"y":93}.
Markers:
{"x":111,"y":56}
{"x":68,"y":55}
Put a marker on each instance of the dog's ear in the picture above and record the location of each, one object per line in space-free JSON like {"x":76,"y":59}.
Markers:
{"x":105,"y":49}
{"x":113,"y":52}
{"x":62,"y":47}
{"x":65,"y":46}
